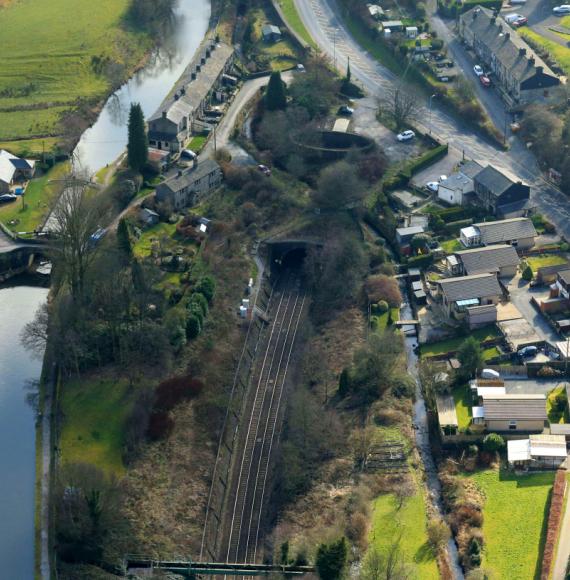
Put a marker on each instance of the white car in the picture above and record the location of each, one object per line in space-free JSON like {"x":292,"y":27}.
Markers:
{"x":432,"y":186}
{"x":405,"y":135}
{"x":562,"y":9}
{"x":478,"y":70}
{"x":513,"y":2}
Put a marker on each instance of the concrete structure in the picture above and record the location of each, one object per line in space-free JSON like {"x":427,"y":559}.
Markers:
{"x":459,"y":188}
{"x":518,"y":232}
{"x":519,"y":74}
{"x":537,"y":452}
{"x":173,"y":123}
{"x":270,"y":33}
{"x":187,"y":187}
{"x":14,"y":170}
{"x":519,"y":333}
{"x":459,"y":294}
{"x":507,"y":413}
{"x":500,"y":194}
{"x":501,"y":259}
{"x":341,"y":125}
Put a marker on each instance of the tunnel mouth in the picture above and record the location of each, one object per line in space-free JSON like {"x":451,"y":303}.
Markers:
{"x":293,"y":259}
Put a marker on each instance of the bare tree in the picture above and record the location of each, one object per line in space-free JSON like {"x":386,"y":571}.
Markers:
{"x":401,"y":103}
{"x":361,"y":442}
{"x":35,"y":334}
{"x":74,"y":219}
{"x":389,"y":565}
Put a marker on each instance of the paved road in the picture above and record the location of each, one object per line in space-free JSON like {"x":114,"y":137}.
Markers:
{"x":321,"y":18}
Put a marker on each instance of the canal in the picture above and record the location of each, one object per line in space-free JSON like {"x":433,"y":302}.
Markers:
{"x":101,"y":144}
{"x":18,"y":368}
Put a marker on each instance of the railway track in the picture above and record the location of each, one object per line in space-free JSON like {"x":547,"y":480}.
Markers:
{"x":260,"y":426}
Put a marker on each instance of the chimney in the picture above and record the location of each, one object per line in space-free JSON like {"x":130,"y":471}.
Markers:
{"x":203,"y":60}
{"x":176,"y":96}
{"x":507,"y":35}
{"x":195,"y":162}
{"x":539,"y":70}
{"x":183,"y":91}
{"x":164,"y":114}
{"x":475,"y":13}
{"x":198,"y":68}
{"x":531,"y":59}
{"x":500,"y":29}
{"x":193,"y":76}
{"x":493,"y":20}
{"x":208,"y":53}
{"x":522,"y":51}
{"x":179,"y":173}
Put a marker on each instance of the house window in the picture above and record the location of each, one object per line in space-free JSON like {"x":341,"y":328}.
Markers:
{"x":512,"y":425}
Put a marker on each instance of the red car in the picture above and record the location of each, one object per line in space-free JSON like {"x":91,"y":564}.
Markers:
{"x":485,"y":80}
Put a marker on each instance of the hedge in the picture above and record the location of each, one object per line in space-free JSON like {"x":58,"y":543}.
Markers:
{"x":454,"y":227}
{"x":420,"y":261}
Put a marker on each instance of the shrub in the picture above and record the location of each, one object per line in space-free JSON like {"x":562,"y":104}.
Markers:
{"x":200,"y":300}
{"x":420,"y":261}
{"x":527,"y":273}
{"x":438,"y":534}
{"x":380,"y":307}
{"x":193,"y":327}
{"x":357,"y":530}
{"x":173,"y":391}
{"x":160,"y":426}
{"x":493,"y":442}
{"x":207,"y":287}
{"x":382,"y":287}
{"x":437,"y":44}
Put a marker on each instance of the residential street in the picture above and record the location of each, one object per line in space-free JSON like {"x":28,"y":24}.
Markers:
{"x":321,"y":18}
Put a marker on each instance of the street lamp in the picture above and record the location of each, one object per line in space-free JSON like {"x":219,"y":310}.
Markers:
{"x":430,"y":101}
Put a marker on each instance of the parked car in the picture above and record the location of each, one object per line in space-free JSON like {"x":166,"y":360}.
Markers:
{"x":7,"y":197}
{"x":490,"y":374}
{"x":405,"y":135}
{"x":528,"y":351}
{"x":300,"y":67}
{"x":478,"y":70}
{"x":562,"y":9}
{"x":188,"y":154}
{"x":264,"y":169}
{"x":345,"y":110}
{"x":432,"y":186}
{"x":443,"y":79}
{"x":485,"y":80}
{"x":513,"y":2}
{"x":516,"y":20}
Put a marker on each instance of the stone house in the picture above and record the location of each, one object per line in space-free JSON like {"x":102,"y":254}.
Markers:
{"x":500,"y":259}
{"x":460,"y":294}
{"x":500,"y":194}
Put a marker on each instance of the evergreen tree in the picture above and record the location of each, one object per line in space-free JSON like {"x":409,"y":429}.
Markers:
{"x":124,"y":238}
{"x":331,"y":560}
{"x":527,"y":273}
{"x":470,"y":356}
{"x":343,"y":383}
{"x":275,"y":99}
{"x":137,"y":147}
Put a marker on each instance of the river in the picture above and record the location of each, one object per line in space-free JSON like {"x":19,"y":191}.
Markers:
{"x":102,"y":143}
{"x":18,"y":305}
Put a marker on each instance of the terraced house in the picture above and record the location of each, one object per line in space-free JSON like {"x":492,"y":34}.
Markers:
{"x":520,"y":75}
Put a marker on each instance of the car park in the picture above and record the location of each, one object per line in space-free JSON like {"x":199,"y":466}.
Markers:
{"x":8,"y":197}
{"x":478,"y":70}
{"x":405,"y":135}
{"x":485,"y":80}
{"x":562,"y":9}
{"x":345,"y":110}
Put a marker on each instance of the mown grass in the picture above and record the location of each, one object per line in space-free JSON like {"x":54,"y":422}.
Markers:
{"x":381,"y":320}
{"x":38,"y":200}
{"x":451,"y":246}
{"x":149,"y":237}
{"x":536,"y":262}
{"x":515,"y":513}
{"x":554,"y":415}
{"x":463,"y":404}
{"x":409,"y":524}
{"x":197,"y":143}
{"x":452,"y":344}
{"x":560,"y":53}
{"x":295,"y":22}
{"x":94,"y":413}
{"x":50,"y":47}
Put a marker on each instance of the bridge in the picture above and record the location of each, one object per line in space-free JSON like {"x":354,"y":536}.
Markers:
{"x":190,"y":569}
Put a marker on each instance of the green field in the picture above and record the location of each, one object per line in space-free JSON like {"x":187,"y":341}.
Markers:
{"x":409,"y":522}
{"x":295,"y":22}
{"x":560,"y":53}
{"x":452,"y":344}
{"x":50,"y":47}
{"x":515,"y":513}
{"x":94,"y":412}
{"x":39,"y":198}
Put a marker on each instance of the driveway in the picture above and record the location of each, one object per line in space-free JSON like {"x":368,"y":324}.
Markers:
{"x":520,"y":297}
{"x":444,"y":166}
{"x":524,"y":386}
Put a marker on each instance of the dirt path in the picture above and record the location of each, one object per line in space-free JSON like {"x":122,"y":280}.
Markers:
{"x":559,"y":572}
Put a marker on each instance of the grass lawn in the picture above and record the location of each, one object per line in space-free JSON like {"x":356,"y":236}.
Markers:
{"x":51,"y":47}
{"x":409,"y":522}
{"x":491,"y":352}
{"x":451,"y":246}
{"x":554,"y":415}
{"x":94,"y":414}
{"x":382,"y":319}
{"x":452,"y":344}
{"x":295,"y":22}
{"x":197,"y":142}
{"x":558,"y":52}
{"x":536,"y":262}
{"x":463,"y":403}
{"x":39,"y":197}
{"x":515,"y":513}
{"x":143,"y":247}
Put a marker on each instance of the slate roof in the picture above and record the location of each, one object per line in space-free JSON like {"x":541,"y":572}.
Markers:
{"x":470,"y":169}
{"x":269,"y":29}
{"x":186,"y":178}
{"x":505,"y":44}
{"x":468,"y":287}
{"x":513,"y":407}
{"x":565,"y":276}
{"x":488,"y":259}
{"x":546,"y":270}
{"x":518,"y":205}
{"x":495,"y":181}
{"x":195,"y":90}
{"x":506,"y":230}
{"x":9,"y":164}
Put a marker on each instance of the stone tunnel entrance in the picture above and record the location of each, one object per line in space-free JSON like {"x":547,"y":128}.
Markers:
{"x":288,"y":254}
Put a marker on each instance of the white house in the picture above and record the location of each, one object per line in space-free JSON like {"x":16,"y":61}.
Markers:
{"x":14,"y":170}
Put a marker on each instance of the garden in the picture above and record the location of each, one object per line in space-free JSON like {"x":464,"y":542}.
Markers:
{"x":488,"y":334}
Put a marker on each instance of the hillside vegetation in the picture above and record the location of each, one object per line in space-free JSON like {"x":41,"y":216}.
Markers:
{"x":59,"y":55}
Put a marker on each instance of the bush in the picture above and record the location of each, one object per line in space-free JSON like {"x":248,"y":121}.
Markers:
{"x":382,"y":287}
{"x":380,"y":307}
{"x":493,"y":442}
{"x":198,"y":299}
{"x":437,"y":44}
{"x":527,"y":273}
{"x":207,"y":287}
{"x":173,"y":391}
{"x":160,"y":426}
{"x":420,"y":261}
{"x":193,"y":327}
{"x":438,"y":534}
